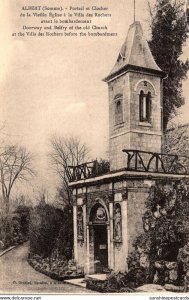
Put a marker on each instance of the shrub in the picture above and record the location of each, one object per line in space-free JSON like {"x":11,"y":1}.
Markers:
{"x":168,"y":218}
{"x":100,"y":167}
{"x":24,"y":212}
{"x":64,"y":241}
{"x":50,"y":231}
{"x":166,"y":225}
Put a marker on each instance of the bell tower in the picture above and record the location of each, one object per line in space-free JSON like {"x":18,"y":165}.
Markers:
{"x":135,"y":108}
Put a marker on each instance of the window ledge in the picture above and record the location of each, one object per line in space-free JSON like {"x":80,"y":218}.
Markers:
{"x":145,"y":124}
{"x":119,"y":125}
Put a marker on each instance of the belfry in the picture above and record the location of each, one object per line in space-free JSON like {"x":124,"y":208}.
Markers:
{"x":108,"y":206}
{"x":135,"y":106}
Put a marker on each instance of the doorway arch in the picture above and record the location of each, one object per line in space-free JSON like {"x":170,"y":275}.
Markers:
{"x":98,"y":238}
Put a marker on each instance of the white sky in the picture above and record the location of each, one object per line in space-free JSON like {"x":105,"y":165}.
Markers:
{"x":53,"y":85}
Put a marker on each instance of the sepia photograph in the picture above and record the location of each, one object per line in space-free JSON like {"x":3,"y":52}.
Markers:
{"x":94,"y":148}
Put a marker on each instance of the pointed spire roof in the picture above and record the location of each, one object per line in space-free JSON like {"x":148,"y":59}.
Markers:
{"x":135,"y":54}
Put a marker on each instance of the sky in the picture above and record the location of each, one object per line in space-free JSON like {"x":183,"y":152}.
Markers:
{"x":54,"y":85}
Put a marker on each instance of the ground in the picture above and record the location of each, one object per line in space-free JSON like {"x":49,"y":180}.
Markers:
{"x":17,"y":276}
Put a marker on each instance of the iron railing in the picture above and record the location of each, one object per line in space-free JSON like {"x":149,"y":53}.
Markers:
{"x":137,"y":160}
{"x":88,"y":170}
{"x":144,"y":161}
{"x":82,"y":171}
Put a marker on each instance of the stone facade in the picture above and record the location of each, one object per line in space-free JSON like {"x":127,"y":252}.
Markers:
{"x":131,"y":133}
{"x":135,"y":71}
{"x":108,"y":209}
{"x":130,"y":196}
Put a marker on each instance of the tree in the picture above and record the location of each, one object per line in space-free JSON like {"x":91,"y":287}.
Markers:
{"x":166,"y":231}
{"x":176,"y":141}
{"x":45,"y":225}
{"x":20,"y":200}
{"x":15,"y":165}
{"x":51,"y":238}
{"x":66,"y":152}
{"x":42,"y":195}
{"x":24,"y":211}
{"x":169,"y":33}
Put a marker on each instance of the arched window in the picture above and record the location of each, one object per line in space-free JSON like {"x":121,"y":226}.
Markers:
{"x":118,"y":109}
{"x":145,"y":104}
{"x":148,"y":106}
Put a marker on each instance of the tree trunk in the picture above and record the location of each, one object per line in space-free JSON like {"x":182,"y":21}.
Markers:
{"x":6,"y":205}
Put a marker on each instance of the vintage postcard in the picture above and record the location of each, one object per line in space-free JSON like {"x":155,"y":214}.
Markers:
{"x":94,"y":153}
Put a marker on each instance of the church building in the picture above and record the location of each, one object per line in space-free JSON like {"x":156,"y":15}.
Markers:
{"x":108,"y":208}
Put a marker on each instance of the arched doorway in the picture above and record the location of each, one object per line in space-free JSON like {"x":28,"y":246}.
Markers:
{"x":99,"y":237}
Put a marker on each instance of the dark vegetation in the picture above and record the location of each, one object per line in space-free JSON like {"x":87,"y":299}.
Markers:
{"x":51,"y":231}
{"x":51,"y":242}
{"x":14,"y":228}
{"x":169,"y":33}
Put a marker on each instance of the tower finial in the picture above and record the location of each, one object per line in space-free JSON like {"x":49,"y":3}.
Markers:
{"x":134,"y":10}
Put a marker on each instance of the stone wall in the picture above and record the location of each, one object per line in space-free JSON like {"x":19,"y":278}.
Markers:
{"x":138,"y":192}
{"x":136,"y":208}
{"x":133,"y":134}
{"x":121,"y":249}
{"x":130,"y":195}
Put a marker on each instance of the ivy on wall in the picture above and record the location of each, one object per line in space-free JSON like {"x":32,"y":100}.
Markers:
{"x":166,"y":232}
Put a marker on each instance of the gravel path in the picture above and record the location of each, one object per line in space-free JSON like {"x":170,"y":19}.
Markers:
{"x":17,"y":276}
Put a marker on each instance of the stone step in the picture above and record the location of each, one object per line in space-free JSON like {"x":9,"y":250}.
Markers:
{"x":101,"y":277}
{"x":78,"y":282}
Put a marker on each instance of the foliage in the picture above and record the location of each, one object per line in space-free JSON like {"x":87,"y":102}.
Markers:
{"x":176,"y":140}
{"x":24,"y":212}
{"x":183,"y":260}
{"x":14,"y":227}
{"x":184,"y":256}
{"x":51,"y":231}
{"x":140,"y":262}
{"x":42,"y":195}
{"x":44,"y":228}
{"x":166,"y":226}
{"x":64,"y":242}
{"x":51,"y":242}
{"x":166,"y":219}
{"x":58,"y":269}
{"x":20,"y":200}
{"x":5,"y":231}
{"x":119,"y":281}
{"x":15,"y":165}
{"x":169,"y":33}
{"x":100,"y":167}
